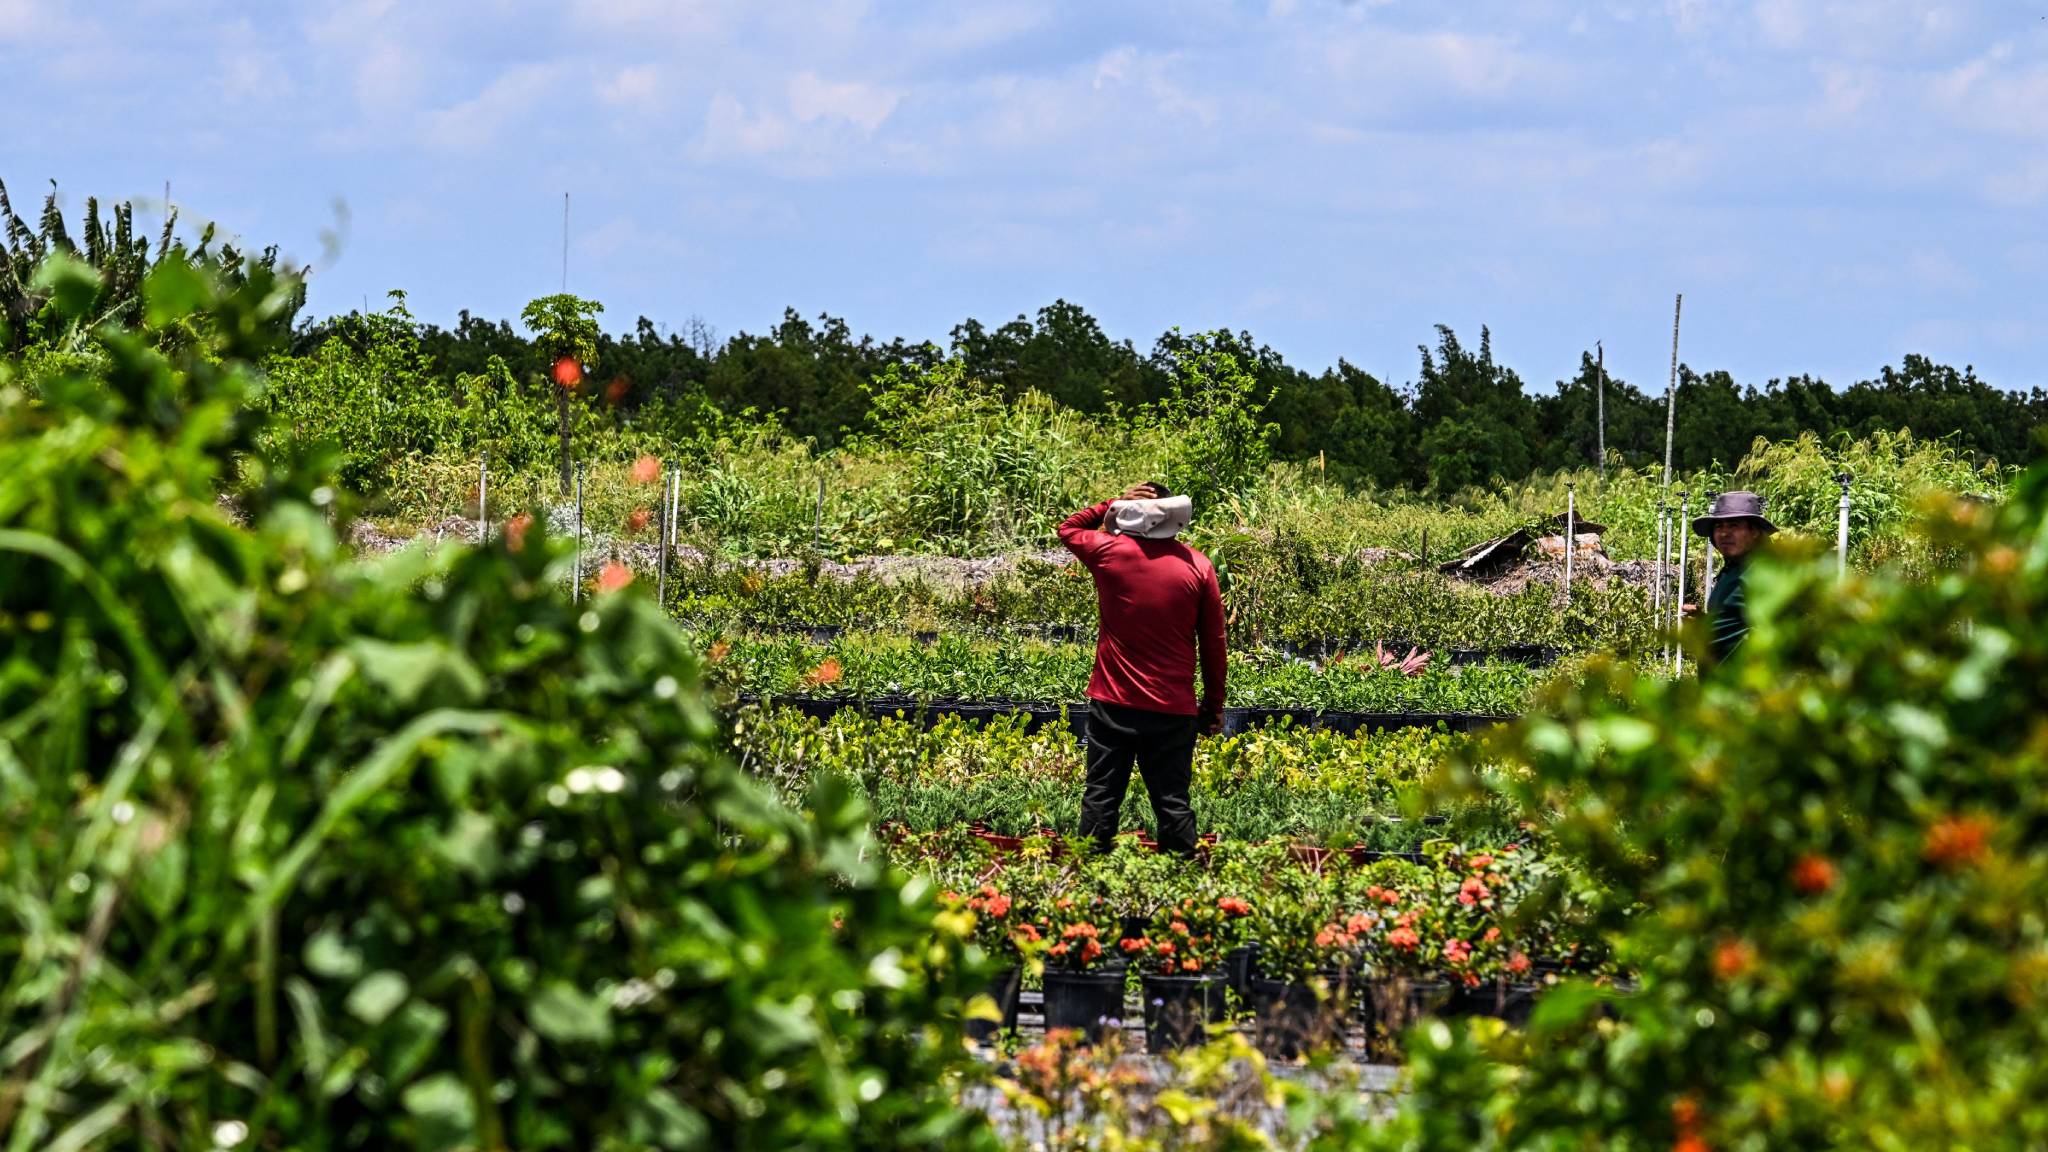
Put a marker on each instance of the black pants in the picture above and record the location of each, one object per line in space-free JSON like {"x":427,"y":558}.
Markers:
{"x":1163,"y":747}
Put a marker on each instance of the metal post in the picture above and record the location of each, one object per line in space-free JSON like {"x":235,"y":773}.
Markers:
{"x":661,"y":541}
{"x":576,"y":573}
{"x":818,"y":521}
{"x":1707,"y":559}
{"x":1684,"y":528}
{"x":1425,"y":547}
{"x":1842,"y":529}
{"x":483,"y":497}
{"x":1571,"y":516}
{"x":1657,"y":570}
{"x":1600,"y":355}
{"x":1671,"y":391}
{"x":675,"y":509}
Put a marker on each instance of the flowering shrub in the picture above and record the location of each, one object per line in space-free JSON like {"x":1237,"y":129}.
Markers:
{"x":1184,"y":939}
{"x":1826,"y":880}
{"x":1079,"y":934}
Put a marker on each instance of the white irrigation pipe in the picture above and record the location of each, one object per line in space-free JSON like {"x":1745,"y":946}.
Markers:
{"x":1571,"y":515}
{"x":1842,"y":530}
{"x":1685,"y":538}
{"x":483,"y":497}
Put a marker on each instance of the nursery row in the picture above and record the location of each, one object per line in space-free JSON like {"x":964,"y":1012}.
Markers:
{"x":1285,"y":597}
{"x":1279,"y":783}
{"x":1298,"y":951}
{"x":868,"y":666}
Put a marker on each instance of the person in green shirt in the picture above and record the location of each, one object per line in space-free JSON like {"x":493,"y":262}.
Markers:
{"x":1738,"y":527}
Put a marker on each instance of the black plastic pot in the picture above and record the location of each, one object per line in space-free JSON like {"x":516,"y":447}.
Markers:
{"x":1179,"y":1010}
{"x":1090,"y":1002}
{"x":1500,"y":1000}
{"x":1006,"y":988}
{"x":1290,"y":1019}
{"x":1237,"y":969}
{"x":1400,"y":1001}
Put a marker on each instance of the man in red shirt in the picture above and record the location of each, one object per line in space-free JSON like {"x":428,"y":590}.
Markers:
{"x":1156,"y":598}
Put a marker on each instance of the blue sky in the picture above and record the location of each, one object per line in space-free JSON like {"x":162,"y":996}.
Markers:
{"x":1831,"y":185}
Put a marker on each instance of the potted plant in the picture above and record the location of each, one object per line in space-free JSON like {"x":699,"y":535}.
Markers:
{"x":1307,"y":964}
{"x":1182,"y":982}
{"x":1084,"y":982}
{"x":1003,"y":935}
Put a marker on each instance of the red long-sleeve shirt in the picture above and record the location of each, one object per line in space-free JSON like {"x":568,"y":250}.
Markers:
{"x":1156,"y":599}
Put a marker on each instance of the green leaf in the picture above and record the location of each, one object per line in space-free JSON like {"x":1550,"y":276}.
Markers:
{"x":670,"y":1123}
{"x":416,"y":1033}
{"x":565,"y":1014}
{"x":445,"y":1113}
{"x":408,"y":670}
{"x":328,"y":955}
{"x":173,"y":291}
{"x":71,"y":284}
{"x":377,"y":996}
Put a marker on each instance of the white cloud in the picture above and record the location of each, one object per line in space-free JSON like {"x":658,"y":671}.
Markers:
{"x":474,"y":124}
{"x":865,"y":106}
{"x":637,"y":87}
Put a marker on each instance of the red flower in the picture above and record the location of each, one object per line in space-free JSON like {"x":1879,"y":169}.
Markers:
{"x":1958,"y":841}
{"x":638,"y":519}
{"x":1190,"y":964}
{"x":999,"y":906}
{"x":1135,"y":944}
{"x":1814,"y":875}
{"x":1403,"y":937}
{"x":568,"y":373}
{"x":1733,"y":958}
{"x":1480,"y":862}
{"x":827,"y":672}
{"x":646,"y":470}
{"x":1029,"y":931}
{"x":1492,"y":934}
{"x":1059,"y":949}
{"x":1518,"y":963}
{"x":1090,"y":951}
{"x":1457,"y":951}
{"x":1389,"y":896}
{"x":1164,"y":947}
{"x":1234,"y":905}
{"x":614,"y":577}
{"x":1358,"y":923}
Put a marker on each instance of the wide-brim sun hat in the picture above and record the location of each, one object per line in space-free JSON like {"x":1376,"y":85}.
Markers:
{"x":1160,"y":519}
{"x":1736,"y":505}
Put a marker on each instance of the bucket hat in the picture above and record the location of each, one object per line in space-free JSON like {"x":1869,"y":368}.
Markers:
{"x":1159,"y":519}
{"x":1733,"y":506}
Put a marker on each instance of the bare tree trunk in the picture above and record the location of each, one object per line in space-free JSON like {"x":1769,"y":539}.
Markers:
{"x":562,"y":407}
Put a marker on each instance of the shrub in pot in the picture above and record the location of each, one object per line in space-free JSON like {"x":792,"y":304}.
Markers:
{"x":1182,"y":981}
{"x":1084,"y":982}
{"x":1307,"y":968}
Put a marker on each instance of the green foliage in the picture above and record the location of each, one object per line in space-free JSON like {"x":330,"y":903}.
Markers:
{"x":977,"y":467}
{"x":1822,"y":863}
{"x":1277,"y":783}
{"x":55,"y":290}
{"x":1217,"y":442}
{"x":310,"y":852}
{"x":958,"y":667}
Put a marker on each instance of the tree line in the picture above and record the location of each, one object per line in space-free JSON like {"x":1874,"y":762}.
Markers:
{"x":1465,"y":419}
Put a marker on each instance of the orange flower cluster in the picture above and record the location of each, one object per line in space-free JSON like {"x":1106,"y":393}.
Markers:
{"x":1814,"y":875}
{"x":614,"y":577}
{"x":827,"y":672}
{"x":1956,"y":842}
{"x":989,"y":902}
